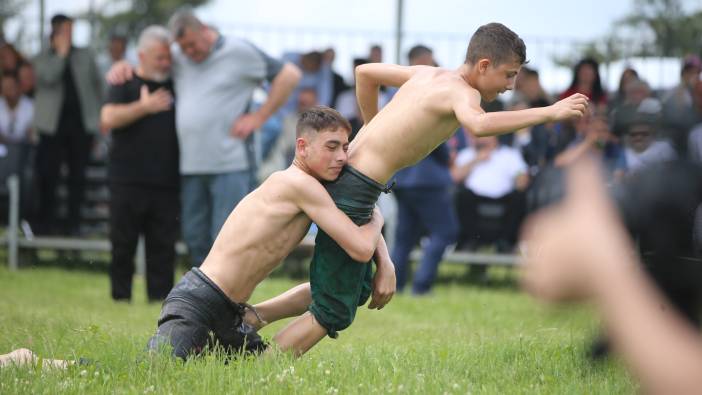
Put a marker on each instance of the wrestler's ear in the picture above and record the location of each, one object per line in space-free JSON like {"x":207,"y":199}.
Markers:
{"x":301,"y":146}
{"x":483,"y":65}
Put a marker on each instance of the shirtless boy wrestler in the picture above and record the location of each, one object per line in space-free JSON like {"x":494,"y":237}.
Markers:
{"x":208,"y":306}
{"x":429,"y":106}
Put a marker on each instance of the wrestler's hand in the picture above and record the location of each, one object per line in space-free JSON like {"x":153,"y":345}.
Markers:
{"x":573,"y":106}
{"x":119,"y":73}
{"x":246,"y":124}
{"x":384,"y":285}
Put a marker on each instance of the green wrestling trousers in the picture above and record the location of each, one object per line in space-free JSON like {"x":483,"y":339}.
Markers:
{"x":340,"y":284}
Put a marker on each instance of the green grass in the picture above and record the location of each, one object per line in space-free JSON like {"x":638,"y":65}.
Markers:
{"x":463,"y":339}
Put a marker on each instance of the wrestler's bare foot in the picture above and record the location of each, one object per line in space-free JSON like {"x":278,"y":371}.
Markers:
{"x":21,"y":356}
{"x":291,"y":303}
{"x":254,"y":321}
{"x":24,"y":357}
{"x":564,"y":246}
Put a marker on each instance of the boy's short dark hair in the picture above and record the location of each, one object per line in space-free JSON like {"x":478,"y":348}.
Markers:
{"x":497,"y":43}
{"x":319,"y":118}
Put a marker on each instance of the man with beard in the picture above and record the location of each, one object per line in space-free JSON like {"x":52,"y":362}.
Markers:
{"x":143,"y":169}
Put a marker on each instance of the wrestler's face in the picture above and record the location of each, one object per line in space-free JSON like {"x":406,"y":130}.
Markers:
{"x":496,"y":79}
{"x":324,"y":153}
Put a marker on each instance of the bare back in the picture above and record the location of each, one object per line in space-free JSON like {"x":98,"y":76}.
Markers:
{"x":411,"y":125}
{"x":262,"y":230}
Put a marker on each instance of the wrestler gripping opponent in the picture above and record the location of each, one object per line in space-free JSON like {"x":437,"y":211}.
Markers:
{"x":427,"y":109}
{"x":208,"y":306}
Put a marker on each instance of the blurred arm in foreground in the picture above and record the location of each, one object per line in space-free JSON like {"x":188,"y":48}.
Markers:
{"x":579,"y":250}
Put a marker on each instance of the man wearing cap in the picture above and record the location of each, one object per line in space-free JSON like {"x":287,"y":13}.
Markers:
{"x":68,"y":98}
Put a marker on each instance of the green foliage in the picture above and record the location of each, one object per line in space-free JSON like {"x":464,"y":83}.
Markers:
{"x":463,"y":339}
{"x":653,"y":28}
{"x":672,"y":32}
{"x":139,"y":14}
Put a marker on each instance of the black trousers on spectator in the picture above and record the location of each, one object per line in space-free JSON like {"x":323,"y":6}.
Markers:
{"x":70,"y":146}
{"x":484,"y":220}
{"x":153,"y":212}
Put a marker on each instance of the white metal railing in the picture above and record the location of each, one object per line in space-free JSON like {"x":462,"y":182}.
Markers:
{"x":15,"y":242}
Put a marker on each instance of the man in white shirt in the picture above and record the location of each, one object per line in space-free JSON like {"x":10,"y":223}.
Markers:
{"x":494,"y":173}
{"x":16,"y":111}
{"x":16,"y":115}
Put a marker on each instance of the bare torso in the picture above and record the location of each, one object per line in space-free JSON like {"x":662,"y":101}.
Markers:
{"x":414,"y":123}
{"x":262,"y":230}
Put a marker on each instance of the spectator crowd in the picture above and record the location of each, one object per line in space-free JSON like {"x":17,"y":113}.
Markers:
{"x":200,"y":118}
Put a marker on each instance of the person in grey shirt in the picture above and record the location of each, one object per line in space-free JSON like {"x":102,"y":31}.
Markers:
{"x":215,"y":77}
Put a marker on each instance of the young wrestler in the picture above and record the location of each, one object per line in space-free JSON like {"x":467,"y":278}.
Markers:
{"x":263,"y":228}
{"x":427,"y":109}
{"x":208,"y":305}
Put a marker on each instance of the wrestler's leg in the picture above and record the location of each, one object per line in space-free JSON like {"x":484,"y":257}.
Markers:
{"x":300,"y":335}
{"x":290,"y":303}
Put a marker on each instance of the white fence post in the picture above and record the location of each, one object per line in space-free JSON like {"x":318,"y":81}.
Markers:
{"x":13,"y":186}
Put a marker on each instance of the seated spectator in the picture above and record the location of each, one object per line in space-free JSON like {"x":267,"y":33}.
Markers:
{"x":679,"y":112}
{"x":16,"y":117}
{"x":642,"y":147}
{"x":628,"y":75}
{"x":16,"y":111}
{"x":593,"y":137}
{"x":637,"y":94}
{"x":10,"y":58}
{"x":497,"y":176}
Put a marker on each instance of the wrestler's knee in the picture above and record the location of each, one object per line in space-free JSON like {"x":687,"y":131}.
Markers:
{"x":333,"y":317}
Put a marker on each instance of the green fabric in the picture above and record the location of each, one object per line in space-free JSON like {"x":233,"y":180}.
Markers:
{"x":340,"y":284}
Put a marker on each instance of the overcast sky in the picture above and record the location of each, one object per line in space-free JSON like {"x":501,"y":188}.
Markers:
{"x":548,"y":26}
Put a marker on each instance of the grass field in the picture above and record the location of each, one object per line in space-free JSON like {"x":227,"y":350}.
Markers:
{"x":463,"y":339}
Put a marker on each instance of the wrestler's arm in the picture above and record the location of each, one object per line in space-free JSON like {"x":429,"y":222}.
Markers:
{"x":369,"y":78}
{"x":468,"y":112}
{"x":358,"y":241}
